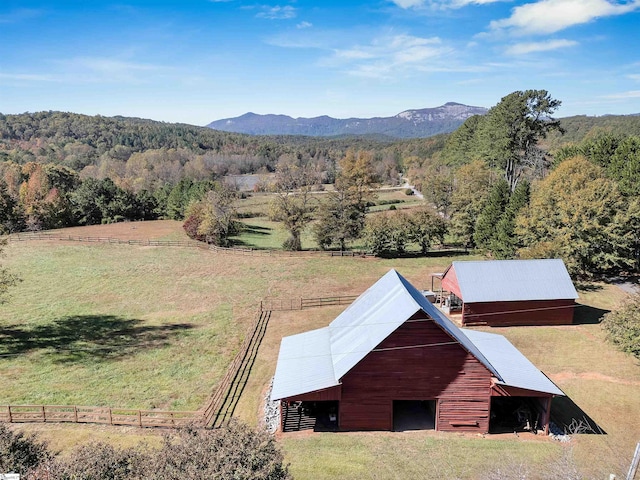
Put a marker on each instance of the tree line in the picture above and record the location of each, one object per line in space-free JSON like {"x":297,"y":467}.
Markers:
{"x":504,"y":194}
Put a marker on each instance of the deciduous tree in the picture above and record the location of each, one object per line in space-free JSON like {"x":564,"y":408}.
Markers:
{"x":341,"y":214}
{"x":470,"y":192}
{"x":293,"y":203}
{"x":212,"y":219}
{"x":580,"y":215}
{"x":426,"y":228}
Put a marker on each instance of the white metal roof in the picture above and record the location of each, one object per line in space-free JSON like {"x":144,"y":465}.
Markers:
{"x":304,"y":364}
{"x":319,"y":359}
{"x":515,"y":369}
{"x":514,"y":280}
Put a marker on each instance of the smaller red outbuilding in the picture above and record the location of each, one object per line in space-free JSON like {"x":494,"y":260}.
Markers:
{"x":511,"y":292}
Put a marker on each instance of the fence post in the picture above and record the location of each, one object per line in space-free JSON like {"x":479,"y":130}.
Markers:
{"x":44,"y":415}
{"x":75,"y":413}
{"x":110,"y":416}
{"x":140,"y":418}
{"x":633,"y":468}
{"x":10,"y":416}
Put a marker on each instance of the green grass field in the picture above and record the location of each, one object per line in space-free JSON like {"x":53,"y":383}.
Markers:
{"x":151,"y":327}
{"x":262,"y":233}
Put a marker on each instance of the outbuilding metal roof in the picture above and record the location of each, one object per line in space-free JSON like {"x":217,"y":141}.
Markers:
{"x":515,"y":369}
{"x":514,"y":280}
{"x":318,"y":359}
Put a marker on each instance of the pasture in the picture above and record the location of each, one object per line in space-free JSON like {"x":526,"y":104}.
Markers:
{"x":154,"y":327}
{"x":262,"y":233}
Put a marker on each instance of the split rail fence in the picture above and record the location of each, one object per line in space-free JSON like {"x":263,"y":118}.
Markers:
{"x":31,"y":236}
{"x":217,"y":411}
{"x":104,"y":415}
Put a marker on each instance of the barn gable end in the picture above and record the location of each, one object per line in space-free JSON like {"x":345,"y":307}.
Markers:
{"x":512,"y":292}
{"x":420,"y":362}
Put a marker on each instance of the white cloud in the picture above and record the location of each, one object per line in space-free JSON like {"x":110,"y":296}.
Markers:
{"x":634,"y":76}
{"x":549,"y":16}
{"x":29,"y":77}
{"x":624,"y":95}
{"x":302,"y":25}
{"x":91,"y":70}
{"x":442,"y":4}
{"x":408,"y":3}
{"x":464,"y":3}
{"x":277,"y":13}
{"x":389,"y":56}
{"x":532,"y":47}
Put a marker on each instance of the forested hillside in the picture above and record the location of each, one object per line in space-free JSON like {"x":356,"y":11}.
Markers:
{"x":508,"y":183}
{"x":60,"y":169}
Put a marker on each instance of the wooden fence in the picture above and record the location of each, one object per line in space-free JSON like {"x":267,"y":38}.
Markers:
{"x":104,"y":415}
{"x":23,"y":237}
{"x":282,"y":304}
{"x":31,"y":236}
{"x":215,"y":413}
{"x":212,"y":411}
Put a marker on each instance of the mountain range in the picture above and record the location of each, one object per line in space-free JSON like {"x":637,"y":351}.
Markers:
{"x":424,"y":122}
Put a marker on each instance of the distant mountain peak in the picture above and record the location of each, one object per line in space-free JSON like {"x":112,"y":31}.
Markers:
{"x":416,"y":123}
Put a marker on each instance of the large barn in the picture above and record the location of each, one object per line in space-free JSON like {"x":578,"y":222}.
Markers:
{"x":511,"y":292}
{"x":392,"y":360}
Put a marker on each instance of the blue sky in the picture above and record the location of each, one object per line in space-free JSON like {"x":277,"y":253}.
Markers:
{"x":196,"y":61}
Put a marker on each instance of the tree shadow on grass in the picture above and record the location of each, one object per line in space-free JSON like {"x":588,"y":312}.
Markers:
{"x":570,"y":418}
{"x":587,"y":315}
{"x":82,"y":338}
{"x":586,"y":286}
{"x":256,"y":229}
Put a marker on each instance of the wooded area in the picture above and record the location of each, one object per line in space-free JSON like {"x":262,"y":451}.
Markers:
{"x":490,"y":185}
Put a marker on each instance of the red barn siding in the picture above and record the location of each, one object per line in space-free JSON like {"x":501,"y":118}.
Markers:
{"x":531,"y":312}
{"x":333,"y":393}
{"x":450,"y":282}
{"x":444,"y":372}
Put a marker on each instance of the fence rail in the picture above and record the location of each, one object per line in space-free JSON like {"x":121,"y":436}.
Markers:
{"x":215,"y":413}
{"x":103,"y":415}
{"x":24,"y":237}
{"x":31,"y":236}
{"x":212,"y":409}
{"x":283,"y":304}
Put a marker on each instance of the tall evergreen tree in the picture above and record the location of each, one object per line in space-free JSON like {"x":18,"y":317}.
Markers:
{"x":491,"y":214}
{"x":508,"y":136}
{"x":505,"y":242}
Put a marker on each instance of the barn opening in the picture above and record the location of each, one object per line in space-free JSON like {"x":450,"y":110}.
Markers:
{"x":316,"y":416}
{"x":414,"y":415}
{"x":516,"y":414}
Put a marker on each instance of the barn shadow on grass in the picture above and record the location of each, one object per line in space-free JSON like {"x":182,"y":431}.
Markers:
{"x":571,"y":419}
{"x":82,"y":338}
{"x":587,"y":315}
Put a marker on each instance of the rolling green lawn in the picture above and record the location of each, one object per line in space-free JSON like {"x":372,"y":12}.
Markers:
{"x":262,"y":233}
{"x":152,"y":327}
{"x":146,"y":327}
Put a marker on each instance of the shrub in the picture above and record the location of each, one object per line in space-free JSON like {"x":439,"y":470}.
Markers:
{"x":235,"y":452}
{"x":408,"y":191}
{"x":623,"y":326}
{"x":20,"y":453}
{"x":101,"y":461}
